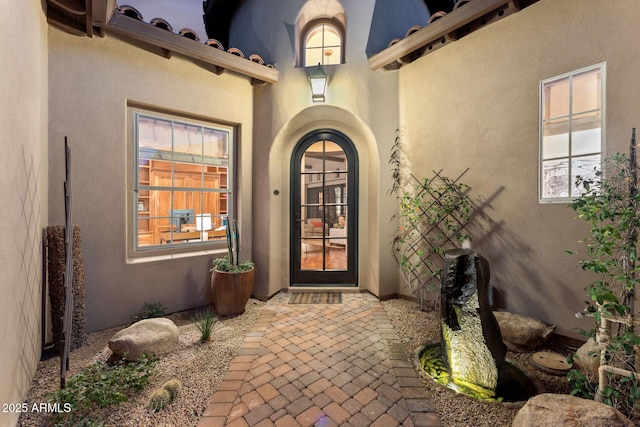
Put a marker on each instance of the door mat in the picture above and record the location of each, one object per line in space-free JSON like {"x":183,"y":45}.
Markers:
{"x":316,"y":298}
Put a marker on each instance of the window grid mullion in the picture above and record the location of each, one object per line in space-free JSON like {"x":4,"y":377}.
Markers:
{"x":173,"y":183}
{"x":570,"y":166}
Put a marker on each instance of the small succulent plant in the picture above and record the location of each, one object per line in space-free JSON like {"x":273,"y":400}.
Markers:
{"x":159,"y":399}
{"x":173,"y":386}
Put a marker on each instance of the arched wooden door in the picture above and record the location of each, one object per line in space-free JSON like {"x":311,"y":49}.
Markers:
{"x":324,"y":211}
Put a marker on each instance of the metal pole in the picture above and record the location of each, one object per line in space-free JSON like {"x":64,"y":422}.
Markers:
{"x":630,"y":294}
{"x":68,"y":274}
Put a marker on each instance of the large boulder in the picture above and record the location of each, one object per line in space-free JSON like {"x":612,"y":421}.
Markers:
{"x":522,"y":333}
{"x":149,"y":336}
{"x":552,"y":410}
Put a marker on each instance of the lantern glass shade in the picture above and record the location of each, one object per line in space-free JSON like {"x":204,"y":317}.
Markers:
{"x":318,"y":80}
{"x":203,"y":222}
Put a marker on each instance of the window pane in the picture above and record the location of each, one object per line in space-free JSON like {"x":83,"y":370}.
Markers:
{"x":586,"y":142}
{"x":143,"y":172}
{"x":555,"y":138}
{"x":153,"y":135}
{"x":335,"y":157}
{"x":187,"y":175}
{"x":585,"y":167}
{"x":332,"y":56}
{"x":314,"y":37}
{"x":182,"y":200}
{"x":313,"y":57}
{"x":585,"y":121}
{"x":222,"y":173}
{"x":187,"y":139}
{"x":586,"y":92}
{"x":555,"y":178}
{"x":160,"y":204}
{"x":556,"y":99}
{"x":331,"y":36}
{"x":216,"y":144}
{"x":312,"y":159}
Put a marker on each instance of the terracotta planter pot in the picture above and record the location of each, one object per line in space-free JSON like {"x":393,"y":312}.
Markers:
{"x":231,"y":291}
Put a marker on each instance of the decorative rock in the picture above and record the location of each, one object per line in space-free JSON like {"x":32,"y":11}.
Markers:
{"x":471,"y":335}
{"x":149,"y":336}
{"x":588,"y":360}
{"x":522,"y":333}
{"x":551,"y":410}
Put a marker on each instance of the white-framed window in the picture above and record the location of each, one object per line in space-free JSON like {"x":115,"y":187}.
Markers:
{"x":323,"y":44}
{"x":182,"y":186}
{"x":571,"y":131}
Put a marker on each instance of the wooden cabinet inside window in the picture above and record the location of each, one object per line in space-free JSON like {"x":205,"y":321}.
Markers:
{"x":155,"y":219}
{"x":144,"y":233}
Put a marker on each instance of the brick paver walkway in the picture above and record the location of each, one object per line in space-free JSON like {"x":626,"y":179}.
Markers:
{"x":321,"y":365}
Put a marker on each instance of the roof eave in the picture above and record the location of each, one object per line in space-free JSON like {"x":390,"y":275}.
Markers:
{"x":171,"y":42}
{"x":414,"y":45}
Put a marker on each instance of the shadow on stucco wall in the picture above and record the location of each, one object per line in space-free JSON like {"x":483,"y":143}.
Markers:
{"x":514,"y":275}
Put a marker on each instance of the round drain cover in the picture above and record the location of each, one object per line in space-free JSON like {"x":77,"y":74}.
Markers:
{"x":553,"y":363}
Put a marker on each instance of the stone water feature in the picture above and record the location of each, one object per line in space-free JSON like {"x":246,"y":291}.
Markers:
{"x":472,"y":356}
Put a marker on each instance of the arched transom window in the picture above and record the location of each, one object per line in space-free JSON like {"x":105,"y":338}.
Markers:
{"x":323,"y":45}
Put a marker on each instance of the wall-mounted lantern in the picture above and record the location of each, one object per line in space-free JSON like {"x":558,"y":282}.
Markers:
{"x":318,"y":80}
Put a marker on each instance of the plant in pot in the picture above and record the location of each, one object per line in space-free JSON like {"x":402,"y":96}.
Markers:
{"x":231,"y":279}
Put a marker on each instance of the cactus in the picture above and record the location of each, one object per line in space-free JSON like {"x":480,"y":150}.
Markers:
{"x":159,"y":399}
{"x":231,"y":262}
{"x":233,"y":242}
{"x":173,"y":387}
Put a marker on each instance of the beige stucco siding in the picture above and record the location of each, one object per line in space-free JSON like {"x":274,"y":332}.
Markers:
{"x":23,"y":192}
{"x":474,"y":104}
{"x":95,"y":79}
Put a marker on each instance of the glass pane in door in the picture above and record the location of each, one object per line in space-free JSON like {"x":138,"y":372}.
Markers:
{"x":323,"y":207}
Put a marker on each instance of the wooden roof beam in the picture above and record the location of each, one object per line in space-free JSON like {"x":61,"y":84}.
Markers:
{"x":171,"y":42}
{"x":435,"y":31}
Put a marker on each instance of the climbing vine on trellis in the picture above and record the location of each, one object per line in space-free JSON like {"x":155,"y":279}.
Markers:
{"x":432,"y":218}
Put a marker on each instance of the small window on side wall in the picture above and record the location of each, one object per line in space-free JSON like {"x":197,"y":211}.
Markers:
{"x":571,"y":131}
{"x":323,"y":44}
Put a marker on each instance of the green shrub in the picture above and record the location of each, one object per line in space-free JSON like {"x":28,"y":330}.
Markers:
{"x":610,"y":204}
{"x":150,"y":311}
{"x":230,"y":263}
{"x":205,"y":324}
{"x":100,"y":385}
{"x":159,"y":399}
{"x":173,"y":386}
{"x":223,"y":264}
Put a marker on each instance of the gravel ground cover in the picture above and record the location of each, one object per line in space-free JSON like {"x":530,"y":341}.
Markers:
{"x":201,"y":367}
{"x":417,"y":328}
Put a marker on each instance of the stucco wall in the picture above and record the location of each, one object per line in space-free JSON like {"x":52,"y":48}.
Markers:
{"x":94,"y":80}
{"x":474,"y":104}
{"x":23,"y":188}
